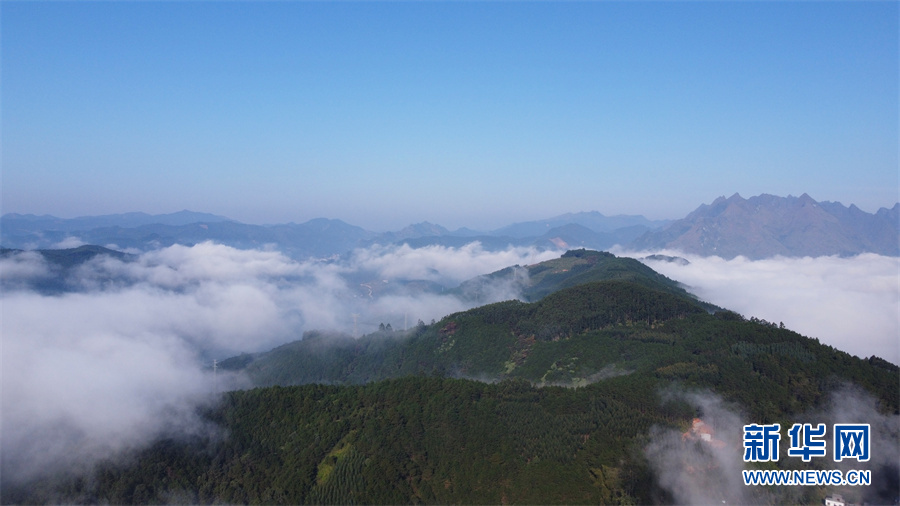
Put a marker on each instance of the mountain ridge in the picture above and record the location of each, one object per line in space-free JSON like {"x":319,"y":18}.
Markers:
{"x":767,"y":225}
{"x":759,"y":227}
{"x":586,"y":395}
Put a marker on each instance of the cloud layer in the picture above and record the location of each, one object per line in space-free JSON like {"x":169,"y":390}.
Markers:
{"x":852,"y":303}
{"x":123,"y":356}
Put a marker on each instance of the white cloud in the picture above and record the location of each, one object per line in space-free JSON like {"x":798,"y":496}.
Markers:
{"x":439,"y":262}
{"x":85,"y":378}
{"x":90,"y":373}
{"x":696,"y":472}
{"x":68,"y":242}
{"x":852,"y":303}
{"x":17,"y":269}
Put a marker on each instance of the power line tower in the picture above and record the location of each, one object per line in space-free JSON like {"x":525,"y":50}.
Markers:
{"x":355,"y":324}
{"x":216,"y":375}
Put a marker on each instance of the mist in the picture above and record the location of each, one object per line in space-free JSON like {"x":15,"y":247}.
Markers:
{"x":696,"y":472}
{"x":852,"y":304}
{"x":122,"y":356}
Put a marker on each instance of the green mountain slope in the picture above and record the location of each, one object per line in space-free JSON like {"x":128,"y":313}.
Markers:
{"x":584,"y":334}
{"x":407,"y":423}
{"x":440,"y":440}
{"x":489,"y":341}
{"x":411,"y":440}
{"x":579,"y":291}
{"x":574,"y":268}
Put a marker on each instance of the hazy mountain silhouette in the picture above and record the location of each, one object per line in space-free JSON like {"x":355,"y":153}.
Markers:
{"x":768,"y":225}
{"x":758,"y":227}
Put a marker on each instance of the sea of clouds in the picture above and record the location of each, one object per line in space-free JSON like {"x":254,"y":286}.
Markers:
{"x":122,"y":356}
{"x":850,"y":303}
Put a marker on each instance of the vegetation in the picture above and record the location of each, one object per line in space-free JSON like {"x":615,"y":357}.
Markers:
{"x":575,"y":267}
{"x":582,"y":334}
{"x":572,"y":394}
{"x":61,"y":263}
{"x":71,"y":257}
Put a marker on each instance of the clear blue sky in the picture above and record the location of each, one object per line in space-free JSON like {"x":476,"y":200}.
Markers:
{"x":460,"y":113}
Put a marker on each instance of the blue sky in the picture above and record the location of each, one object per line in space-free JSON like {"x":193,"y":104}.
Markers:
{"x":461,"y":113}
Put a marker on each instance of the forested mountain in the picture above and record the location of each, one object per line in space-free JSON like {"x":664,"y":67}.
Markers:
{"x":573,"y":268}
{"x":59,"y":265}
{"x":767,"y":225}
{"x":582,"y":396}
{"x":506,"y":339}
{"x":425,"y":437}
{"x":564,"y":287}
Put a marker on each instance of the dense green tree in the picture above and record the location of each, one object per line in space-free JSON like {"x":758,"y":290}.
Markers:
{"x":572,"y":398}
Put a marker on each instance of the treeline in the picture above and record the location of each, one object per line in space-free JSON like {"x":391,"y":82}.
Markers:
{"x":479,"y":342}
{"x":409,"y":440}
{"x":386,"y":419}
{"x":422,"y":439}
{"x":572,"y":336}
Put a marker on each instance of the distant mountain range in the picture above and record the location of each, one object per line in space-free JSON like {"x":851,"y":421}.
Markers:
{"x":758,"y":227}
{"x":30,"y":222}
{"x":768,"y":225}
{"x":318,"y":238}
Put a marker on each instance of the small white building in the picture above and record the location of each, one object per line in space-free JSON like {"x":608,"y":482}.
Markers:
{"x":835,"y":500}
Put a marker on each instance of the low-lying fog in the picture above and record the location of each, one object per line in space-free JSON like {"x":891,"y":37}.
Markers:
{"x":122,"y":356}
{"x":852,"y":304}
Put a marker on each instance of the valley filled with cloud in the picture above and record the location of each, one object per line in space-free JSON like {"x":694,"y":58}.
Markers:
{"x":852,"y":304}
{"x":123,"y":355}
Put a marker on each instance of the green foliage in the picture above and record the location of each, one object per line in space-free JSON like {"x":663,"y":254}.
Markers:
{"x":395,"y":427}
{"x":410,"y":440}
{"x":490,"y":341}
{"x":430,"y":439}
{"x":589,"y":333}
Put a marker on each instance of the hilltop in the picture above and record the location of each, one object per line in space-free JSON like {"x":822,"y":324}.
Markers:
{"x":573,"y":268}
